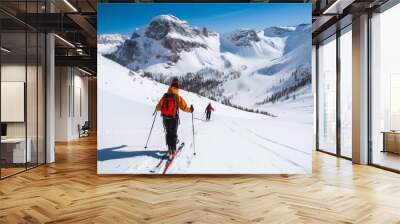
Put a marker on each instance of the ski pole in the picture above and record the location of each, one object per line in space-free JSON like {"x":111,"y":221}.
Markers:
{"x":151,"y":129}
{"x":194,"y":146}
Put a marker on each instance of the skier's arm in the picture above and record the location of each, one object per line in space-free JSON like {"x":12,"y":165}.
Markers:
{"x":183,"y":105}
{"x":159,"y":105}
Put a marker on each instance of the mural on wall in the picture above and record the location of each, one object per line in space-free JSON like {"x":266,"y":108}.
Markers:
{"x":204,"y":89}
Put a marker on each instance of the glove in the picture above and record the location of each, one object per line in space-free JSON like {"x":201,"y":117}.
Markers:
{"x":191,"y":109}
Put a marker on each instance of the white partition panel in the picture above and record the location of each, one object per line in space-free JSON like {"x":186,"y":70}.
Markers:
{"x":12,"y":101}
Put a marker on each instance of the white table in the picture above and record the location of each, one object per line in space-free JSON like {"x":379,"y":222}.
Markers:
{"x":19,"y":154}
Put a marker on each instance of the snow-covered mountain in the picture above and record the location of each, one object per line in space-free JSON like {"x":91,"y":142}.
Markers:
{"x":167,"y":46}
{"x":246,"y":67}
{"x":276,"y":31}
{"x":251,"y":43}
{"x":108,"y":43}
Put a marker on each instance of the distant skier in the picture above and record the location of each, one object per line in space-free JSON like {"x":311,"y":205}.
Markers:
{"x":209,"y":108}
{"x":168,"y":105}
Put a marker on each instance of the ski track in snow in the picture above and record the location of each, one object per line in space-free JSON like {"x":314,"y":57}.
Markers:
{"x":233,"y":141}
{"x":245,"y":134}
{"x":272,"y":141}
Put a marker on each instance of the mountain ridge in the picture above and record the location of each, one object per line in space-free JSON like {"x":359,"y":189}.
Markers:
{"x":243,"y":66}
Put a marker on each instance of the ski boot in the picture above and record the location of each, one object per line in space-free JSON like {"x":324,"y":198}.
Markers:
{"x":171,"y":152}
{"x":172,"y":155}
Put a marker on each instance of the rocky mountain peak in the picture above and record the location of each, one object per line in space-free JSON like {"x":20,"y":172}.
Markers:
{"x":244,"y":37}
{"x":162,"y":25}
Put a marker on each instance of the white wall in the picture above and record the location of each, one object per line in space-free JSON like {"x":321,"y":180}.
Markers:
{"x":18,"y":73}
{"x":62,"y":83}
{"x":10,"y":73}
{"x":71,"y":102}
{"x":33,"y":126}
{"x":80,"y":110}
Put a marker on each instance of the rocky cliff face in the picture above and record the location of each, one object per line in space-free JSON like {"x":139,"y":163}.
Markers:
{"x":162,"y":40}
{"x":178,"y":45}
{"x":244,"y":37}
{"x":162,"y":25}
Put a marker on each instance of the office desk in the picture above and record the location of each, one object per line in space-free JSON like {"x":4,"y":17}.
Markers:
{"x":391,"y":141}
{"x":13,"y":150}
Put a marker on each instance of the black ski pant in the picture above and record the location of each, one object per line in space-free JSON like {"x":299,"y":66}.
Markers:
{"x":208,"y":115}
{"x":171,"y":129}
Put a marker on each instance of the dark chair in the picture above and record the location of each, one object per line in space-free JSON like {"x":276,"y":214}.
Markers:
{"x":84,"y":130}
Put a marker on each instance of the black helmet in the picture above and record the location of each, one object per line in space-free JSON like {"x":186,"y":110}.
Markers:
{"x":175,"y":82}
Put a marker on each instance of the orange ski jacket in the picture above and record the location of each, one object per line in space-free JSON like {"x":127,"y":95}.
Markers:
{"x":181,"y":102}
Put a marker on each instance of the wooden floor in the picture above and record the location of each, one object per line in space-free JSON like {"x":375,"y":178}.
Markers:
{"x":70,"y":191}
{"x":5,"y":172}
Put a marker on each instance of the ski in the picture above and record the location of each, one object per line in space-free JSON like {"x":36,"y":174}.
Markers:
{"x":158,"y":166}
{"x":169,"y":161}
{"x":163,"y":158}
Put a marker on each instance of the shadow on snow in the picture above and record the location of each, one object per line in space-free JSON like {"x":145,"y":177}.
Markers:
{"x":112,"y":153}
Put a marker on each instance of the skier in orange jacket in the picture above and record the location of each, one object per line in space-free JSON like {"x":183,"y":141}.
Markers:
{"x":169,"y":106}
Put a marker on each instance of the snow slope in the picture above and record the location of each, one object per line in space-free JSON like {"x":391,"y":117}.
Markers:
{"x":233,"y":142}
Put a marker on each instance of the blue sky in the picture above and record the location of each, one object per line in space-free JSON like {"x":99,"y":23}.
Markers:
{"x":125,"y":18}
